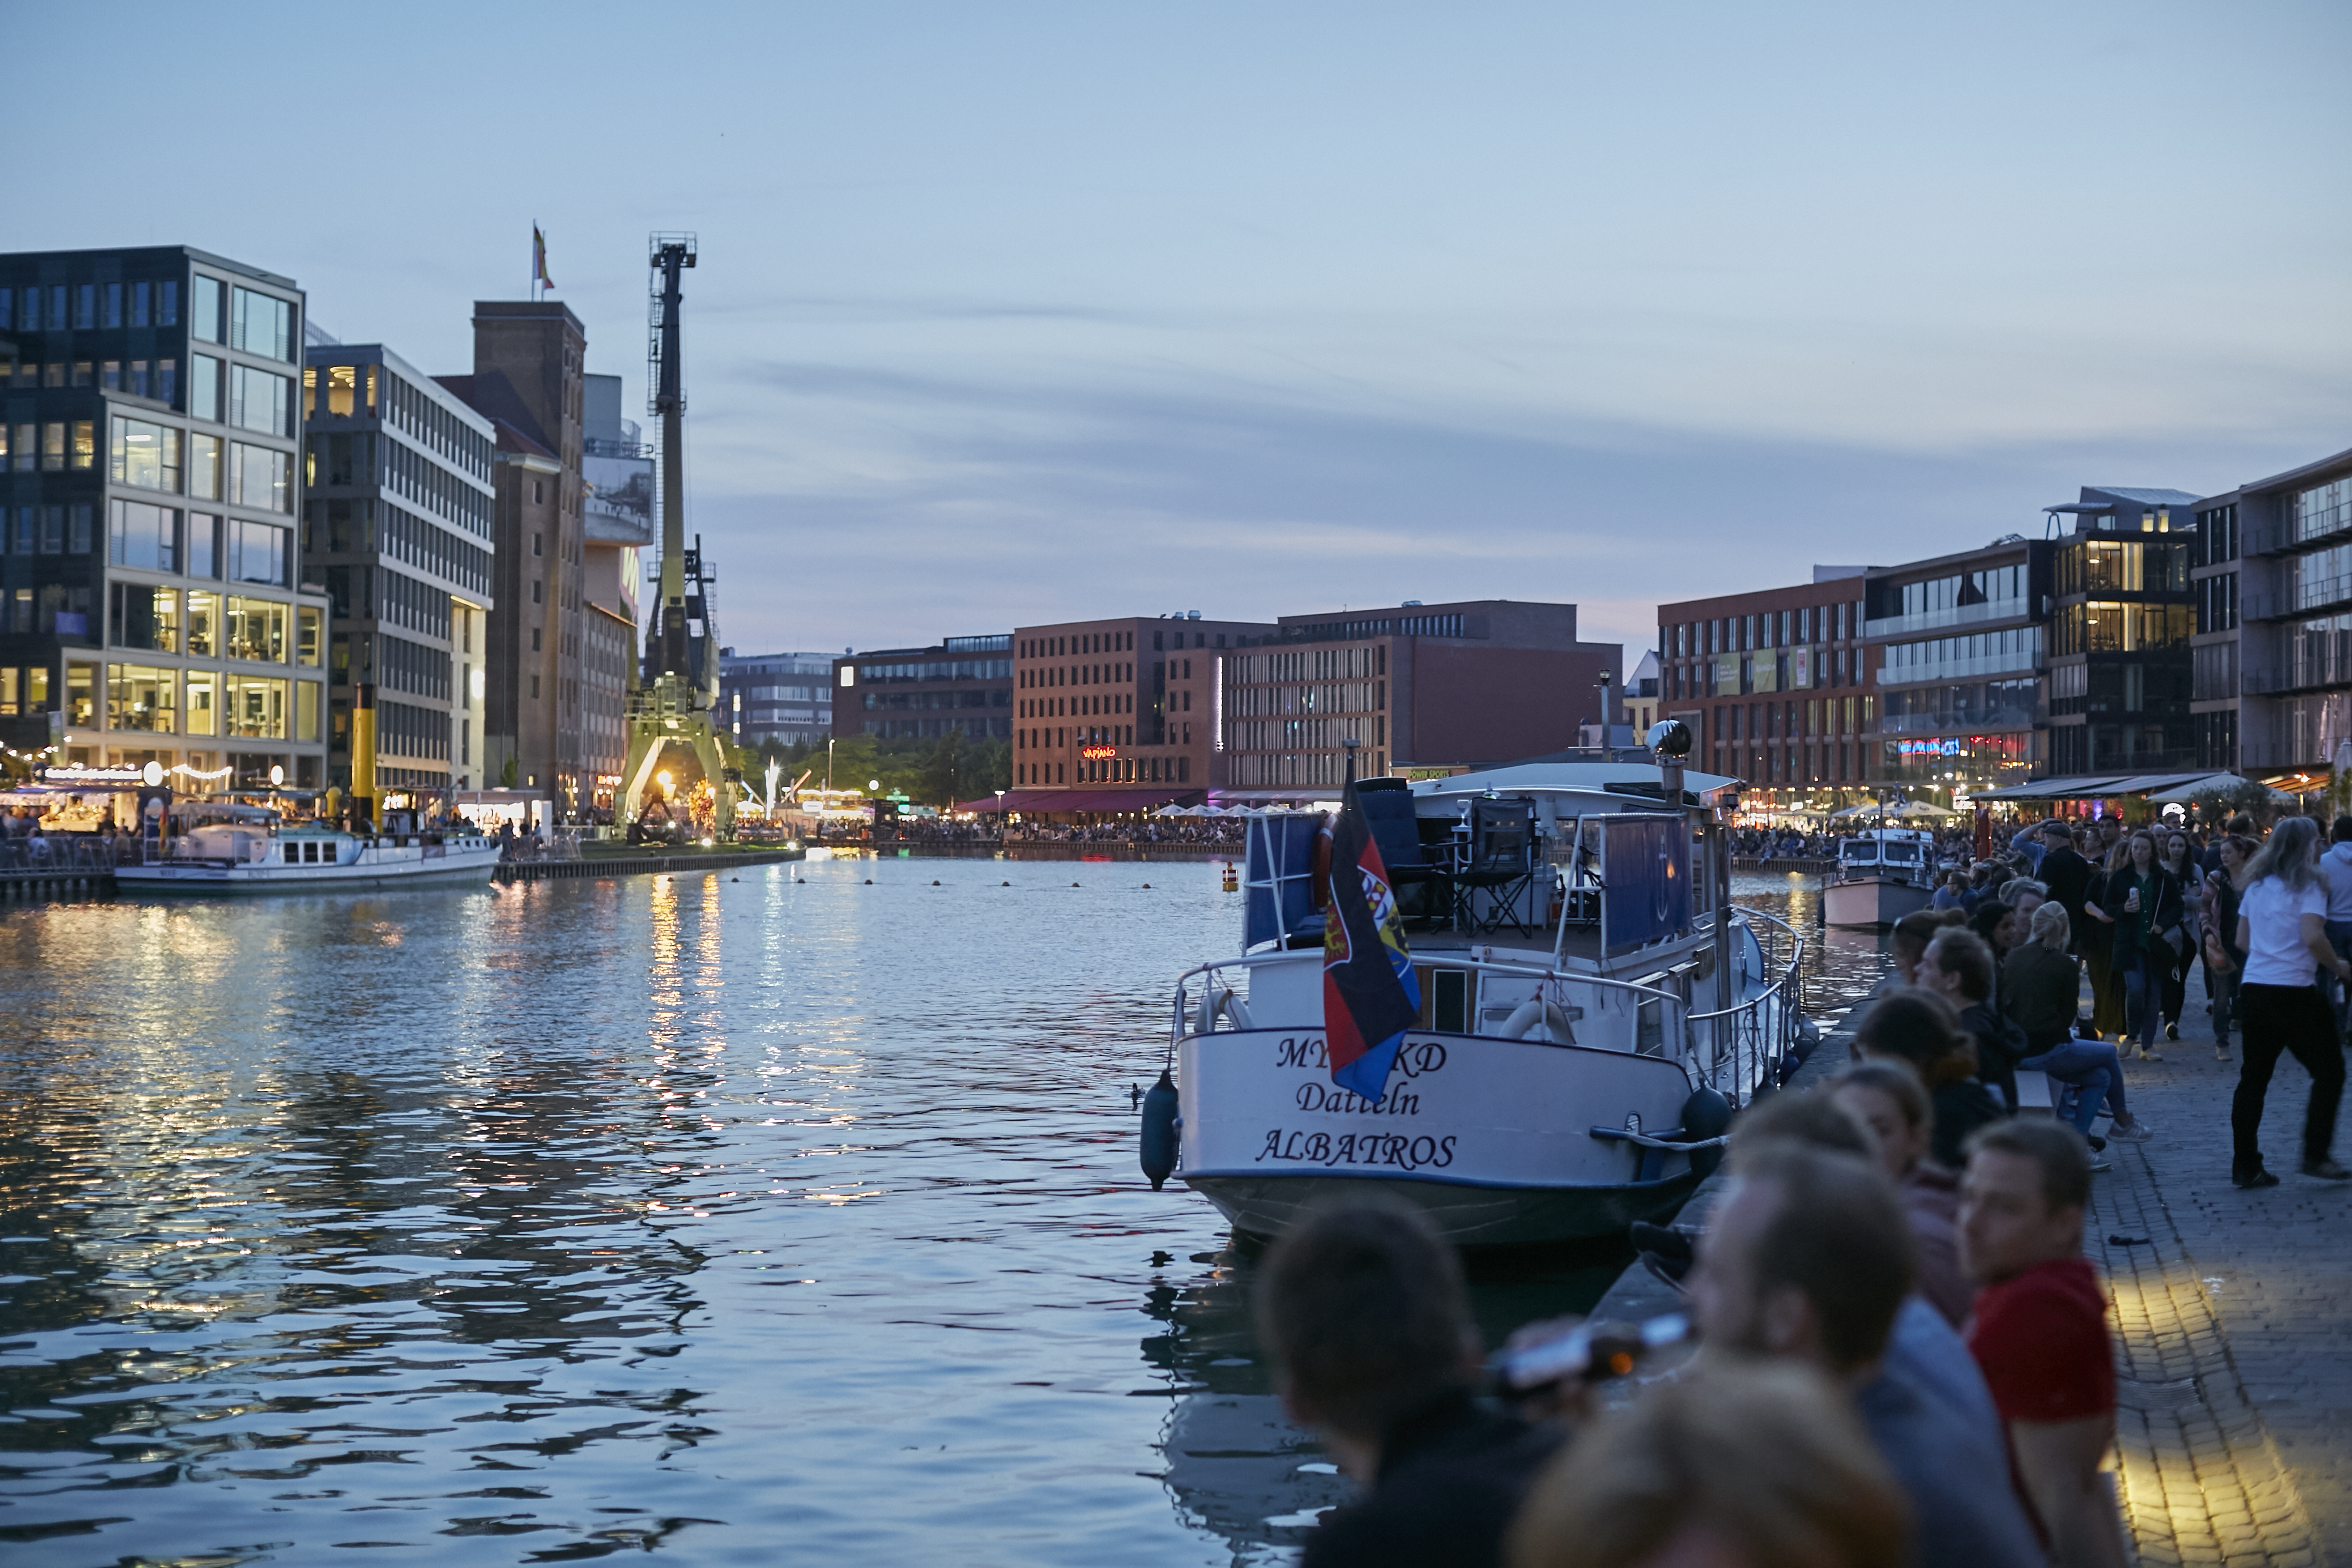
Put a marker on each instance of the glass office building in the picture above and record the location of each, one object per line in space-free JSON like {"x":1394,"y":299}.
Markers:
{"x":151,"y":600}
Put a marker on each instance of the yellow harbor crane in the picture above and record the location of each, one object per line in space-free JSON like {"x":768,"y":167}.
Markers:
{"x":677,"y":692}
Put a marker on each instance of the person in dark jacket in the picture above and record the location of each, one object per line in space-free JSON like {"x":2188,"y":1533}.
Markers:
{"x":2040,"y":982}
{"x":1364,"y":1311}
{"x":1958,"y":967}
{"x":2143,"y":902}
{"x":1919,"y":1027}
{"x":2066,"y":874}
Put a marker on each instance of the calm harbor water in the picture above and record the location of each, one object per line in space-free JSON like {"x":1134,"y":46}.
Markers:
{"x":736,"y":1217}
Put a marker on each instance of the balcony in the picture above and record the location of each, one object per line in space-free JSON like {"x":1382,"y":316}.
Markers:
{"x":2024,"y":661}
{"x":1987,"y":612}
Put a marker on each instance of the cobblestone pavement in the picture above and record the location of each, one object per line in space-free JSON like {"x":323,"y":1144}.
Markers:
{"x":2231,"y":1311}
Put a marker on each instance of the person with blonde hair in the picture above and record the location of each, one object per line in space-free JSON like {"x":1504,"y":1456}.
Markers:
{"x":2041,"y":983}
{"x":1744,"y":1465}
{"x":2282,"y":929}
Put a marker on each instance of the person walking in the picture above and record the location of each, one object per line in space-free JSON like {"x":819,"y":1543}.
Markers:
{"x":2143,"y":906}
{"x":2225,"y":959}
{"x":2282,"y":927}
{"x":2182,"y":867}
{"x":2097,"y":937}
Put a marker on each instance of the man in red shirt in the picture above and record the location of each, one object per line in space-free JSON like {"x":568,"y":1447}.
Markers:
{"x":2040,"y":1333}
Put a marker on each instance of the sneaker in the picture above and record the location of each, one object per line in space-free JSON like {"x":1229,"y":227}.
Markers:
{"x":2257,"y":1177}
{"x":2137,"y":1132}
{"x":2100,"y":1162}
{"x":2326,"y":1171}
{"x":2148,"y":1056}
{"x":2172,"y":1031}
{"x":2220,"y":1053}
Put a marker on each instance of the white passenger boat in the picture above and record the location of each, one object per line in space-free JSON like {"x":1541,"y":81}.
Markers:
{"x":1583,"y":1034}
{"x":1882,"y":875}
{"x":246,"y":850}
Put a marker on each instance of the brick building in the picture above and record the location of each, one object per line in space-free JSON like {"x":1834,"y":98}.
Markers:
{"x":530,"y":381}
{"x":1468,"y":683}
{"x":1122,"y":702}
{"x":1776,"y":685}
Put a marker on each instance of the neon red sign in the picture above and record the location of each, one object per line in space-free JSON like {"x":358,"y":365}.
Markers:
{"x":1098,"y":753}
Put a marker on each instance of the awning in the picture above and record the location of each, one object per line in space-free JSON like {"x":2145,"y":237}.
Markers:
{"x":1044,"y":800}
{"x":2090,"y":786}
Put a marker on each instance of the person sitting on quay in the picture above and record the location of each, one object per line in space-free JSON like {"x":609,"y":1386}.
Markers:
{"x":2043,"y":993}
{"x":1364,"y":1312}
{"x":1917,"y":1026}
{"x":1809,"y":1260}
{"x":1887,"y":1097}
{"x":1958,"y":967}
{"x":2039,"y":1330}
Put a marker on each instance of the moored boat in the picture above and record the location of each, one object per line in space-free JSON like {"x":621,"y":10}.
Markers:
{"x":1882,"y":875}
{"x":252,"y":850}
{"x":1584,"y":1029}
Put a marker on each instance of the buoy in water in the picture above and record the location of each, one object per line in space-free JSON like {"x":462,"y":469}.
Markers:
{"x":1146,"y":884}
{"x":869,"y":882}
{"x":1004,"y":884}
{"x":1158,"y":1134}
{"x":935,"y":881}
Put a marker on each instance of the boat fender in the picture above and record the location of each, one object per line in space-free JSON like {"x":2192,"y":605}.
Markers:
{"x":1539,"y":1013}
{"x":1705,"y":1114}
{"x":1809,"y":1039}
{"x":1158,"y":1130}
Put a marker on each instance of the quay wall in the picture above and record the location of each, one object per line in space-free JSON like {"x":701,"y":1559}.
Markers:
{"x":605,"y":866}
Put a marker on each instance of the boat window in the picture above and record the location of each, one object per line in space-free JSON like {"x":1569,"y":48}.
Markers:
{"x":1902,"y":852}
{"x":293,"y":852}
{"x":1862,"y":851}
{"x":1445,"y":1000}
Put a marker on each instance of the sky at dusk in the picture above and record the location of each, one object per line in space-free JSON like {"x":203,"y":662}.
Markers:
{"x":1024,"y":312}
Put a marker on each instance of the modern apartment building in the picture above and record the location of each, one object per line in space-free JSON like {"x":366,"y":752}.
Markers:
{"x":2277,"y":568}
{"x":1776,"y":685}
{"x":529,"y":381}
{"x":786,"y":697}
{"x":963,"y":685}
{"x":398,"y":479}
{"x":150,"y":601}
{"x":1957,"y":652}
{"x":1467,"y":683}
{"x":2120,"y":622}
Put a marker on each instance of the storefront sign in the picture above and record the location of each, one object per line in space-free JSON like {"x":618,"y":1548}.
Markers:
{"x":1098,"y":753}
{"x":76,"y":776}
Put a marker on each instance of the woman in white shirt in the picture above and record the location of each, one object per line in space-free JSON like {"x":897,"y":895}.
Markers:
{"x":2283,"y":928}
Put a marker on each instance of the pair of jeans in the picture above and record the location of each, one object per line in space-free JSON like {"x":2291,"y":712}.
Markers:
{"x":2225,"y":1005}
{"x":2092,"y":1067}
{"x":2144,"y":996}
{"x":2294,"y":1019}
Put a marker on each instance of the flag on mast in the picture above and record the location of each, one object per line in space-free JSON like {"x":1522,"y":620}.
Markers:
{"x":1371,"y":996}
{"x":539,"y":260}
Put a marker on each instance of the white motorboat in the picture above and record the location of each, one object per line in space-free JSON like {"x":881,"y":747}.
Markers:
{"x":1882,"y":875}
{"x":1584,"y":1029}
{"x":246,"y":850}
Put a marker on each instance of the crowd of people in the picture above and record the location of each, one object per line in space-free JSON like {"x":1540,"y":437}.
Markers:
{"x":1905,"y":1358}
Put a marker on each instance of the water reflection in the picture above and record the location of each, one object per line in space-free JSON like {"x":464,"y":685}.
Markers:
{"x":583,"y":1217}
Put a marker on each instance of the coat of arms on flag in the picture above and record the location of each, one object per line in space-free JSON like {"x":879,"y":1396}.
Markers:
{"x":1371,"y":996}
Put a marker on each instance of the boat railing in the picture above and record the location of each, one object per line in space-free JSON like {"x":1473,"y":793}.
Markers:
{"x":1755,"y":1038}
{"x":1233,"y":1008}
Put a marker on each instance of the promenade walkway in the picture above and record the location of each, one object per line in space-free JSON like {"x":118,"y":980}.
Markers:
{"x":2234,"y":1322}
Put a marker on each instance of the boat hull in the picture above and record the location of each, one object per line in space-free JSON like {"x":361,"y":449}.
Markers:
{"x":1872,"y":901}
{"x":265,"y":877}
{"x":1491,"y":1137}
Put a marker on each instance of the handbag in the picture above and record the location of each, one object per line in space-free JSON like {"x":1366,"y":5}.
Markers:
{"x":2217,"y":956}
